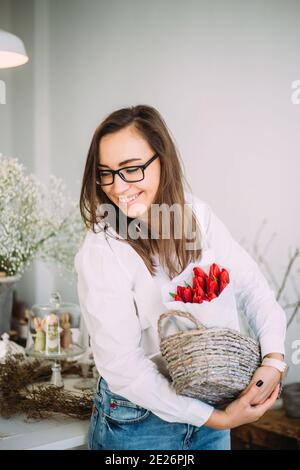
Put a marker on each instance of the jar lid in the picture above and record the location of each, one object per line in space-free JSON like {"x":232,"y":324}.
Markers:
{"x":55,"y":304}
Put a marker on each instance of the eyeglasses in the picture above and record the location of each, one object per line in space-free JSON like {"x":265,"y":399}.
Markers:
{"x":130,"y":174}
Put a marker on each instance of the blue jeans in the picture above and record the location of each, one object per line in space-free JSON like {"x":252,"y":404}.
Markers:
{"x":117,"y":423}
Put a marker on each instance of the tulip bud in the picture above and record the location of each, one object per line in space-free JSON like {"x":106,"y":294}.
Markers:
{"x":199,"y":272}
{"x":188,"y":294}
{"x":214,"y":271}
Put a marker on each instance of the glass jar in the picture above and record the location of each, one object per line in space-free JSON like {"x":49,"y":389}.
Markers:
{"x":56,"y":330}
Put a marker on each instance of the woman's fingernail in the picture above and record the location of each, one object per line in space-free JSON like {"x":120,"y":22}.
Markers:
{"x":259,"y":383}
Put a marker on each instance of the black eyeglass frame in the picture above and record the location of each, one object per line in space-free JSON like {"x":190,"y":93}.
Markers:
{"x":117,"y":172}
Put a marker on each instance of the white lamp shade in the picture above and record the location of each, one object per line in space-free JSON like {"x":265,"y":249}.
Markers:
{"x":12,"y":50}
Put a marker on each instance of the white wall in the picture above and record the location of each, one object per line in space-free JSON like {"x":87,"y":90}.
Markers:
{"x":219,"y":72}
{"x":5,"y":76}
{"x":20,"y":138}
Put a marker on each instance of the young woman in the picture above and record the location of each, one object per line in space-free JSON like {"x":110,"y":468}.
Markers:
{"x":132,"y":166}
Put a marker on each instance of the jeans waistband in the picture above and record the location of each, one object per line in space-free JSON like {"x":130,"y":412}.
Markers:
{"x":102,"y":387}
{"x":101,"y":383}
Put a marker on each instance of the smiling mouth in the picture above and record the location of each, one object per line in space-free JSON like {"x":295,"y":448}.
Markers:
{"x":127,"y":199}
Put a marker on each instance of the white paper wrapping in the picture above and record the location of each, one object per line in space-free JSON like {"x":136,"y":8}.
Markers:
{"x":219,"y":312}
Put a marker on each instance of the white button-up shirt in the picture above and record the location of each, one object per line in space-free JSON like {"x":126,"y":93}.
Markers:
{"x":121,"y":303}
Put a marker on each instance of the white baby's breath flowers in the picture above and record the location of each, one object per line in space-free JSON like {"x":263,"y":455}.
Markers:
{"x":36,"y":220}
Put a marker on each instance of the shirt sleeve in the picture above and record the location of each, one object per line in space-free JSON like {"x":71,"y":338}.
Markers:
{"x":253,"y":294}
{"x":107,"y":302}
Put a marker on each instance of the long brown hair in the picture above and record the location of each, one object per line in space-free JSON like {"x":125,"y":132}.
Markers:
{"x":172,"y":252}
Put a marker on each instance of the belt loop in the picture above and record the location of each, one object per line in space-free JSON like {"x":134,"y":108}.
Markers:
{"x":98,"y":384}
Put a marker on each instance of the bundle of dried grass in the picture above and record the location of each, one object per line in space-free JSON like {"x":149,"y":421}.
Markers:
{"x":20,"y":395}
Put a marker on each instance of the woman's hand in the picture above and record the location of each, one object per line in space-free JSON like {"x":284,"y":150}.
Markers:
{"x":270,"y":378}
{"x":241,"y":410}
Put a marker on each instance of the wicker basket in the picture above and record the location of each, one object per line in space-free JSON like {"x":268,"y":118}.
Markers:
{"x":211,"y":364}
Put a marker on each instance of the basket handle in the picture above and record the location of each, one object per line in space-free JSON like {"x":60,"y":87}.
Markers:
{"x":178,"y":313}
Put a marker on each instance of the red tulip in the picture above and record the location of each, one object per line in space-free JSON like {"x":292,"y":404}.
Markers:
{"x":199,"y":292}
{"x":212,"y":286}
{"x":179,"y":291}
{"x":211,"y":296}
{"x":224,"y":279}
{"x":199,"y":281}
{"x":197,"y":299}
{"x":198,"y":272}
{"x":188,"y":294}
{"x":177,"y":297}
{"x":224,"y":275}
{"x":199,"y":295}
{"x":214,"y":271}
{"x":205,"y":287}
{"x":222,"y":286}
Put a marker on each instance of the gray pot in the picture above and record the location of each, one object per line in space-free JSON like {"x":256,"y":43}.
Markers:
{"x":291,"y":399}
{"x":6,"y":301}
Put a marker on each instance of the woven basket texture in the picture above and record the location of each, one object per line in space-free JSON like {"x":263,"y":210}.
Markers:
{"x":211,"y":364}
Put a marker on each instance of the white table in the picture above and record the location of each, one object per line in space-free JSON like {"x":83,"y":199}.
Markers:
{"x":60,"y":432}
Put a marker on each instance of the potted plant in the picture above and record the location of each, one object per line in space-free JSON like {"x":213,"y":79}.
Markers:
{"x":37,"y":221}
